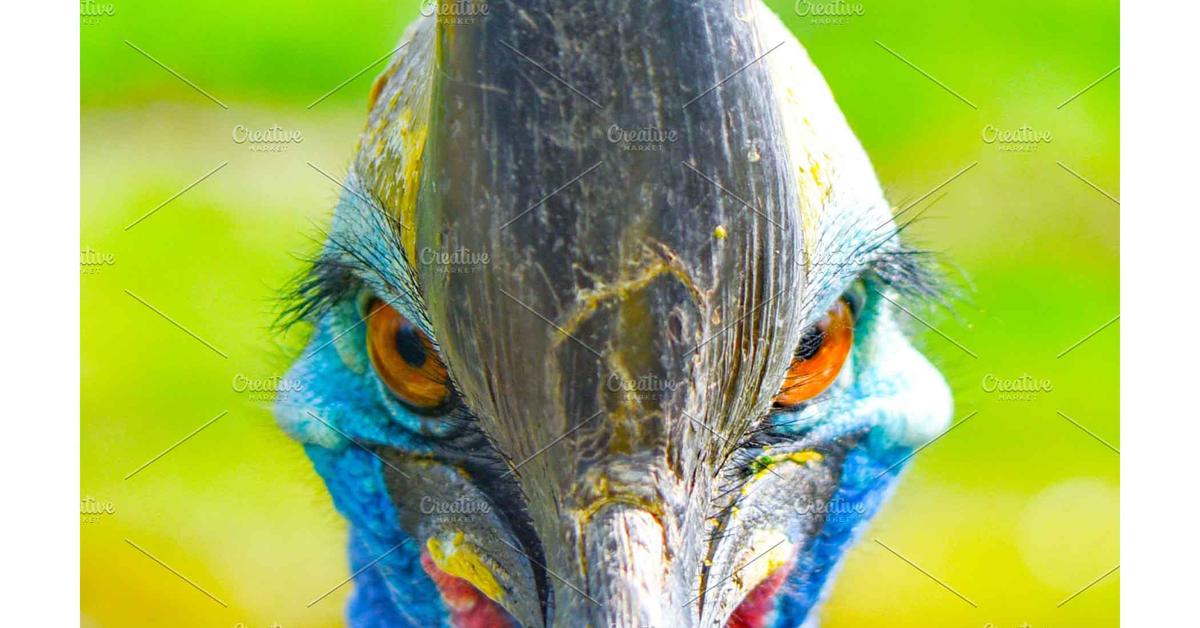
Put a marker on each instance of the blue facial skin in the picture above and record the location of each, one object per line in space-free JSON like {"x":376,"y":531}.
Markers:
{"x":888,"y":397}
{"x":893,"y":393}
{"x":390,"y":587}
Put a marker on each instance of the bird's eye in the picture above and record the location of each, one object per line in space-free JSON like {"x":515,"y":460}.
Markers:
{"x":405,"y":359}
{"x":819,"y":359}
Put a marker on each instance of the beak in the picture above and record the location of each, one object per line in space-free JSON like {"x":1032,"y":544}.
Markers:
{"x":629,"y":568}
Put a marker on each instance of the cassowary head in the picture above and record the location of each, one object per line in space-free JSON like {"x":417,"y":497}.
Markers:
{"x":605,"y":325}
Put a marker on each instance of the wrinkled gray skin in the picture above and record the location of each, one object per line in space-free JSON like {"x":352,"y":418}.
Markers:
{"x":626,"y":263}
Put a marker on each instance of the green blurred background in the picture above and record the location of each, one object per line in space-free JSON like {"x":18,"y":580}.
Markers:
{"x":1016,"y":509}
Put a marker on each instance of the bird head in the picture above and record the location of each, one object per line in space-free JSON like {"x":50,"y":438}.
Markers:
{"x":605,"y":325}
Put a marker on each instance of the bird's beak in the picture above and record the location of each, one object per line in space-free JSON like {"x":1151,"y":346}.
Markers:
{"x":636,"y":298}
{"x":628,"y":571}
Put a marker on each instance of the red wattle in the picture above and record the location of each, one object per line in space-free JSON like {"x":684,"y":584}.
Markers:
{"x":468,"y":607}
{"x":758,"y":604}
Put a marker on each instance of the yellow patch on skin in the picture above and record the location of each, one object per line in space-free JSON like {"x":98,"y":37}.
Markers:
{"x":412,"y":137}
{"x":815,"y":193}
{"x":601,"y":494}
{"x":461,"y":561}
{"x":769,"y":550}
{"x":588,"y":301}
{"x":765,"y":463}
{"x":376,"y":89}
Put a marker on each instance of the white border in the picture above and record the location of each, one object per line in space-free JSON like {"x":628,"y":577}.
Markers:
{"x":1159,"y":328}
{"x":1160,"y":174}
{"x":40,"y":308}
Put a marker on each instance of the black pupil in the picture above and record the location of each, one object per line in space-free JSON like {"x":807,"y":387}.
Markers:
{"x":408,"y":345}
{"x":810,"y":343}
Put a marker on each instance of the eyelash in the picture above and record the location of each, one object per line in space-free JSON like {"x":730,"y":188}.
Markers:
{"x":340,"y":271}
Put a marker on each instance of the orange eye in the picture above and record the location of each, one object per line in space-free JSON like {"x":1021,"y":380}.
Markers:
{"x":822,"y":352}
{"x":405,"y":359}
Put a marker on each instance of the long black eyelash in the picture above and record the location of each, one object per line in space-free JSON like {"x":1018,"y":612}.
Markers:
{"x":912,"y":272}
{"x":333,"y":275}
{"x":909,"y":270}
{"x":314,"y":291}
{"x":770,"y":430}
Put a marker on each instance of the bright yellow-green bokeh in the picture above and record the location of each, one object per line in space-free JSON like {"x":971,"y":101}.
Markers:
{"x":1016,"y":509}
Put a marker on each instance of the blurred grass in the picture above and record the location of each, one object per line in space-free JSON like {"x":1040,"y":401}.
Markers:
{"x":1016,"y":509}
